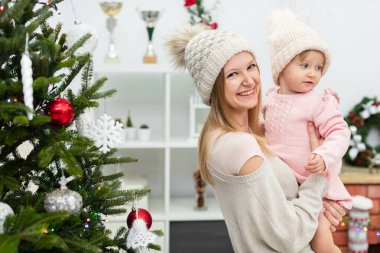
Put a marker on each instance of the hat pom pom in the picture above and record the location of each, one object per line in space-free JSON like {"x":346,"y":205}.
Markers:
{"x":177,"y":43}
{"x":279,"y":22}
{"x":282,"y":15}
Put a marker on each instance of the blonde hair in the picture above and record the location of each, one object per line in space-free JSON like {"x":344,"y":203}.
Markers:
{"x":220,"y":116}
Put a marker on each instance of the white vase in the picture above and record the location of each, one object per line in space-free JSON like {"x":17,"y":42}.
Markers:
{"x":144,"y":134}
{"x":130,"y":133}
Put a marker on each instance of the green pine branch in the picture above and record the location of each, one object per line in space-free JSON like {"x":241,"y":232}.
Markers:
{"x":54,"y":150}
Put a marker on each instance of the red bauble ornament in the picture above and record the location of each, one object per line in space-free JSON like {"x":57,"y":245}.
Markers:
{"x":213,"y":26}
{"x":61,"y":111}
{"x":142,"y":214}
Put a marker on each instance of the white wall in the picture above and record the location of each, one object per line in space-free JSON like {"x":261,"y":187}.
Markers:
{"x":351,"y":29}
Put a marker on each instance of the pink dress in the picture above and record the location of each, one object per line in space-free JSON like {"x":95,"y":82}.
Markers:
{"x":286,"y":119}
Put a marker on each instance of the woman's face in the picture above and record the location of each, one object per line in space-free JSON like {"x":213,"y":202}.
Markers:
{"x":241,"y":82}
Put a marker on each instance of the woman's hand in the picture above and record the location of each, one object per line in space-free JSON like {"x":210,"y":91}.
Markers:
{"x":334,"y":212}
{"x":315,"y":137}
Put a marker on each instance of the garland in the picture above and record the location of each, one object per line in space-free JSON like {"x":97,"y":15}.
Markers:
{"x":360,"y":120}
{"x":198,"y":14}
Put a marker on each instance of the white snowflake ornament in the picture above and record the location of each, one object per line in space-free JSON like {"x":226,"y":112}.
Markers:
{"x":106,"y":133}
{"x":139,"y":237}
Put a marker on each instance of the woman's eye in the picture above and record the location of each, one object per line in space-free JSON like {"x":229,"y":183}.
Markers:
{"x":252,"y":66}
{"x":231,"y":74}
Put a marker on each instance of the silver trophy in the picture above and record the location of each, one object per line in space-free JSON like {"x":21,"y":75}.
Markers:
{"x":111,"y":9}
{"x":150,"y":18}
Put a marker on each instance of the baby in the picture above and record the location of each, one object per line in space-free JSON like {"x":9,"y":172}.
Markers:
{"x":299,"y":59}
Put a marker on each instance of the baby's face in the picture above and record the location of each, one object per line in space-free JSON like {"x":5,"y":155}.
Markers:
{"x":302,"y":74}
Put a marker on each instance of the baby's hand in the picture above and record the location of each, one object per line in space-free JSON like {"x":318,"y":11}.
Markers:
{"x":315,"y":164}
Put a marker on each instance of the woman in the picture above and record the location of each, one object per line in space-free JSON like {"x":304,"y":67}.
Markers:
{"x":264,"y":209}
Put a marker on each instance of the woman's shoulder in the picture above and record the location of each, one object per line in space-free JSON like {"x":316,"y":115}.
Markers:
{"x":231,"y":150}
{"x":234,"y":139}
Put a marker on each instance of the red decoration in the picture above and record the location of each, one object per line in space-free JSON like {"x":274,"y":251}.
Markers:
{"x":61,"y":111}
{"x":376,"y":103}
{"x":213,"y":25}
{"x":352,"y":115}
{"x":142,"y":214}
{"x":189,"y":3}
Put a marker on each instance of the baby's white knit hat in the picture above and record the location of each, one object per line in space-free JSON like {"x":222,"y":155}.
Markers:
{"x":204,"y":53}
{"x":290,"y":37}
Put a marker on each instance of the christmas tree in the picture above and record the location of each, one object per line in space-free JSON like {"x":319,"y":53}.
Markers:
{"x":65,"y":210}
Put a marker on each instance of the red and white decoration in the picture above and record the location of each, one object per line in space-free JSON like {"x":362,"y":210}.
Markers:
{"x":139,"y":235}
{"x":358,"y":225}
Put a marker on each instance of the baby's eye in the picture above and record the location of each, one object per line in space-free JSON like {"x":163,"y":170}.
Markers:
{"x":304,"y":66}
{"x":319,"y":68}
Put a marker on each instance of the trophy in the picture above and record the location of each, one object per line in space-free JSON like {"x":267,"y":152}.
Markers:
{"x":111,"y":9}
{"x":150,"y":18}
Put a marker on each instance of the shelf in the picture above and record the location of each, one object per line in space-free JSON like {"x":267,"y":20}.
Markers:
{"x":175,"y":143}
{"x":134,"y":68}
{"x":358,"y":175}
{"x":182,"y":209}
{"x":141,"y":144}
{"x":184,"y":143}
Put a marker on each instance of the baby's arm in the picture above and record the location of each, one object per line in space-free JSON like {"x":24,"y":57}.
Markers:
{"x":332,"y":127}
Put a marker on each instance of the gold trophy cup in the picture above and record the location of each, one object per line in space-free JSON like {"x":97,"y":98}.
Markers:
{"x":111,"y":9}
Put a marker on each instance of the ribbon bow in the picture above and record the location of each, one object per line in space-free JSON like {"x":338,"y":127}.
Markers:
{"x":356,"y":143}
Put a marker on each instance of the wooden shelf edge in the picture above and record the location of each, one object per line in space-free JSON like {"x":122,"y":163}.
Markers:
{"x":358,"y":175}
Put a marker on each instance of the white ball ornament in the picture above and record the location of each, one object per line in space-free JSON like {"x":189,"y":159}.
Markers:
{"x":5,"y":210}
{"x":78,"y":31}
{"x":63,"y":199}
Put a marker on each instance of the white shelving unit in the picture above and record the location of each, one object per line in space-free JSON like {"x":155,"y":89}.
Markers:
{"x":158,"y":96}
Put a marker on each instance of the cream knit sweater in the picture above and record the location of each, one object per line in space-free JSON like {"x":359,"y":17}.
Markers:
{"x":264,"y":211}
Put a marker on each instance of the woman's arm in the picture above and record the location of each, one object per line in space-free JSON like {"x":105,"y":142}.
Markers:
{"x":285,"y":226}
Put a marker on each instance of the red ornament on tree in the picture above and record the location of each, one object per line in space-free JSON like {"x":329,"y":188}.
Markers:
{"x":142,"y":214}
{"x":213,"y":26}
{"x":189,"y":3}
{"x":61,"y":111}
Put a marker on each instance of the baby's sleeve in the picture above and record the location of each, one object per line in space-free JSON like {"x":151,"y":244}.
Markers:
{"x":332,"y":127}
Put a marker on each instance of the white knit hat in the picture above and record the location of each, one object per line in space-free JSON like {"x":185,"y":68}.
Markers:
{"x":204,"y":53}
{"x":290,"y":37}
